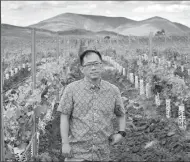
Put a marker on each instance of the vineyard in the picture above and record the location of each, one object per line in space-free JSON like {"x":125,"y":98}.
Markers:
{"x":153,"y":75}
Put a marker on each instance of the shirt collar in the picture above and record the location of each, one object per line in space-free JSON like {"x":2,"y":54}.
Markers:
{"x":91,"y":86}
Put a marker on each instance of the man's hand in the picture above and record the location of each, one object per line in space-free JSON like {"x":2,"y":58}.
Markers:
{"x":66,"y":150}
{"x":115,"y":138}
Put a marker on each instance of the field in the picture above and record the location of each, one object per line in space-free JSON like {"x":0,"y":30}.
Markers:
{"x":155,"y":131}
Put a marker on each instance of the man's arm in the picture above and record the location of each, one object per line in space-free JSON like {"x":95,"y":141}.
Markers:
{"x":120,"y":111}
{"x":65,"y":107}
{"x":120,"y":114}
{"x":121,"y":122}
{"x":64,"y":128}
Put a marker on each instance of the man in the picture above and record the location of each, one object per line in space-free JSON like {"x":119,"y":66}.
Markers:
{"x":87,"y":110}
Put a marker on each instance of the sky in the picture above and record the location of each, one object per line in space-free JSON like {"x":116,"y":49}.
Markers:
{"x":24,"y":13}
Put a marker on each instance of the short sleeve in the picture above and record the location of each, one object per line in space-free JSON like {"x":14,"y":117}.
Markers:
{"x":66,"y":102}
{"x":119,"y":109}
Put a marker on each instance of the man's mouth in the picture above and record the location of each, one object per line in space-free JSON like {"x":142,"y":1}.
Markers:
{"x":94,"y":73}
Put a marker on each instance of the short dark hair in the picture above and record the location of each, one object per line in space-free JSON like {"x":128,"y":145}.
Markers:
{"x":87,"y":52}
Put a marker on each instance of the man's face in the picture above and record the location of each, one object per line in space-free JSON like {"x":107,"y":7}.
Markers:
{"x":92,"y":66}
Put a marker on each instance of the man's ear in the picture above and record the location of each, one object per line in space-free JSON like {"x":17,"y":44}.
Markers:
{"x":102,"y":65}
{"x":81,"y":69}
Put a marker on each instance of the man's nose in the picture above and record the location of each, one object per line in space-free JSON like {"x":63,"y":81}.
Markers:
{"x":93,"y":67}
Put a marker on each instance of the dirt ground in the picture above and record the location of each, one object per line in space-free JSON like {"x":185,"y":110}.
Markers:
{"x":150,"y":136}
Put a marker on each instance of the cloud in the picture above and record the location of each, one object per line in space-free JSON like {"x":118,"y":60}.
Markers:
{"x":49,"y":4}
{"x":166,"y":2}
{"x":185,"y":2}
{"x":2,"y":18}
{"x":154,"y":8}
{"x":109,"y":2}
{"x":177,"y":8}
{"x":78,"y":3}
{"x":35,"y":11}
{"x":139,"y":10}
{"x":171,"y":2}
{"x":149,"y":8}
{"x":18,"y":5}
{"x":34,"y":2}
{"x":161,"y":8}
{"x":57,"y":3}
{"x":133,"y":2}
{"x":54,"y":2}
{"x":108,"y":12}
{"x":12,"y":5}
{"x":80,"y":7}
{"x":92,"y":6}
{"x":117,"y":2}
{"x":128,"y":1}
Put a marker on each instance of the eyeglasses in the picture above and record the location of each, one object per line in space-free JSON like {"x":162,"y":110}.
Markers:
{"x":96,"y":64}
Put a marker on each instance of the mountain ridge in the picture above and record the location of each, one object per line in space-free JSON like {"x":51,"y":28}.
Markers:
{"x":17,"y":31}
{"x":81,"y":24}
{"x":120,"y":25}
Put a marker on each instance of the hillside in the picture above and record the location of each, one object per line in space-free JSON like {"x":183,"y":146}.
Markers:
{"x":154,"y":24}
{"x":121,"y":25}
{"x":183,"y":27}
{"x":25,"y":32}
{"x":92,"y":25}
{"x":22,"y":32}
{"x":68,"y":21}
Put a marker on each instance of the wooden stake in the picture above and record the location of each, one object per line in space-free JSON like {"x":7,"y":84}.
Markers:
{"x":188,"y":71}
{"x":57,"y":49}
{"x":7,"y":76}
{"x":2,"y":153}
{"x":150,"y":47}
{"x":165,"y":39}
{"x":131,"y":77}
{"x":181,"y":117}
{"x":147,"y":90}
{"x":34,"y":86}
{"x":136,"y":82}
{"x":124,"y":72}
{"x":168,"y":108}
{"x":129,"y":40}
{"x":141,"y":87}
{"x":157,"y":99}
{"x":182,"y":68}
{"x":57,"y":42}
{"x":34,"y":59}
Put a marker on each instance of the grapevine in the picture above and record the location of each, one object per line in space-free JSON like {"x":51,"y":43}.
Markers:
{"x":55,"y":73}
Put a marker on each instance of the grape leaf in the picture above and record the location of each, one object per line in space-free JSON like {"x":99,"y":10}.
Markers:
{"x":30,"y":113}
{"x":27,"y":134}
{"x":18,"y":151}
{"x":18,"y":113}
{"x":40,"y":109}
{"x":8,"y":152}
{"x":9,"y":113}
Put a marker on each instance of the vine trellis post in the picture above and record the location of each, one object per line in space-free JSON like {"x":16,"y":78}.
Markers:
{"x":150,"y":47}
{"x":34,"y":141}
{"x":165,"y":39}
{"x":57,"y":51}
{"x":129,"y":37}
{"x":2,"y":153}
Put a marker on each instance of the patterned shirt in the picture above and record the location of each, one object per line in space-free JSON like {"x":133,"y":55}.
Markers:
{"x":92,"y":110}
